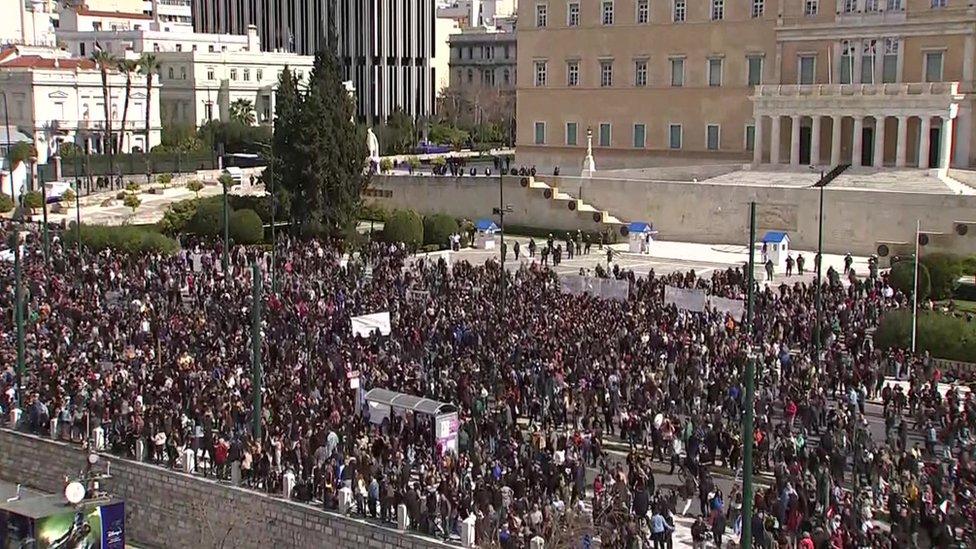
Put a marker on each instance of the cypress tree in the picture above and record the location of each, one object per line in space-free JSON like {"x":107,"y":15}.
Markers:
{"x":287,"y":133}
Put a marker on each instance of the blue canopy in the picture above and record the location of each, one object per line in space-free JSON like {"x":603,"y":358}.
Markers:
{"x":486,"y":226}
{"x":775,"y":236}
{"x":640,"y":227}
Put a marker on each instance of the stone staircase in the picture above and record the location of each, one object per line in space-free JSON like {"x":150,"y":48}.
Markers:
{"x":585,"y":214}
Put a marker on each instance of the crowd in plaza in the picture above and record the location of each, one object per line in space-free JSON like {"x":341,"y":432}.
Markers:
{"x":573,"y":409}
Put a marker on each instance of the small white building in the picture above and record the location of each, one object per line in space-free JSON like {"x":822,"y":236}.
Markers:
{"x":55,"y":98}
{"x":776,"y":247}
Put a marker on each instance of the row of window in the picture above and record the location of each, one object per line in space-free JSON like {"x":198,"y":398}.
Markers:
{"x":675,"y":135}
{"x":754,"y":69}
{"x":484,"y":52}
{"x":806,"y":68}
{"x":679,"y":10}
{"x":487,"y":77}
{"x":234,"y":74}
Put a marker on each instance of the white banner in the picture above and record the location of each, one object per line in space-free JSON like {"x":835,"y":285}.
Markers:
{"x":571,"y":284}
{"x":688,"y":300}
{"x":604,"y":288}
{"x":615,"y":289}
{"x":735,"y":307}
{"x":367,"y":324}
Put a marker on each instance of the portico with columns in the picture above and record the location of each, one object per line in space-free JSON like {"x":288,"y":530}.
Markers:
{"x":884,"y":125}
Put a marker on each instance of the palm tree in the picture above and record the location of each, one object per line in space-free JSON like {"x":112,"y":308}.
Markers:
{"x":148,"y":65}
{"x":127,"y":67}
{"x":242,"y":110}
{"x":105,"y":60}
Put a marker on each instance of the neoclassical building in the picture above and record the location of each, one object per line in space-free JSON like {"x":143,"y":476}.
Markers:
{"x":875,"y":83}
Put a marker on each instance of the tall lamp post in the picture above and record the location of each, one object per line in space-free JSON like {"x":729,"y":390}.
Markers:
{"x":750,"y":403}
{"x":18,"y":283}
{"x":819,"y":265}
{"x":500,"y":211}
{"x":256,"y":350}
{"x":44,"y":230}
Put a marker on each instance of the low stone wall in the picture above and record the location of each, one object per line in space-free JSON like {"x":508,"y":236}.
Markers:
{"x":170,"y":509}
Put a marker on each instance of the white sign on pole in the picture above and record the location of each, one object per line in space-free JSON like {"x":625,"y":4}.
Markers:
{"x":689,"y":300}
{"x":735,"y":307}
{"x":367,"y":324}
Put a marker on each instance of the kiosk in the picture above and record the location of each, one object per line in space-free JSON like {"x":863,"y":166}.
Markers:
{"x":776,"y":247}
{"x":640,"y":235}
{"x":485,"y":232}
{"x":384,"y":404}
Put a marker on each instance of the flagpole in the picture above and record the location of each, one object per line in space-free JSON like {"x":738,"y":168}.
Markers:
{"x":918,"y":228}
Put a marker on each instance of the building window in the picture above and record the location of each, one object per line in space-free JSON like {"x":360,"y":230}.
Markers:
{"x":640,"y":73}
{"x":470,"y":76}
{"x":572,"y":73}
{"x":170,"y":73}
{"x":208,"y":110}
{"x":679,"y":10}
{"x":871,"y":6}
{"x":810,"y":7}
{"x":758,"y":8}
{"x":643,"y":12}
{"x":750,"y":137}
{"x":210,"y":48}
{"x":712,"y":137}
{"x":755,"y":63}
{"x":506,"y":77}
{"x":540,"y":73}
{"x":850,"y":6}
{"x":81,"y":49}
{"x":506,"y":51}
{"x":933,"y":66}
{"x":940,"y":3}
{"x":607,"y":11}
{"x":639,"y":136}
{"x":259,"y":75}
{"x":210,"y":73}
{"x":714,"y":72}
{"x":677,"y":72}
{"x":540,"y":133}
{"x":674,"y":136}
{"x":718,"y":10}
{"x":299,"y":75}
{"x":182,"y":73}
{"x":889,"y":67}
{"x":605,"y":134}
{"x":179,"y":47}
{"x":894,"y":5}
{"x":571,"y":133}
{"x":846,"y":63}
{"x":573,"y":15}
{"x":867,"y":62}
{"x":233,"y":74}
{"x":606,"y":74}
{"x":541,"y":15}
{"x":489,"y":52}
{"x":808,"y":64}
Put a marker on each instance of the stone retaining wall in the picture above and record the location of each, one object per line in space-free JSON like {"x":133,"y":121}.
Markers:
{"x":169,"y":509}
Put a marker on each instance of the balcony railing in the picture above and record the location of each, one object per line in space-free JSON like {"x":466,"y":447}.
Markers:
{"x":837,"y":90}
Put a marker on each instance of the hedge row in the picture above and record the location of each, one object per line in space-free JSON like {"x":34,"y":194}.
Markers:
{"x":133,"y":239}
{"x":943,"y":336}
{"x":205,"y":217}
{"x":939,"y":274}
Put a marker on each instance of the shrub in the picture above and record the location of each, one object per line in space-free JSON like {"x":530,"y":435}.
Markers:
{"x":6,"y":203}
{"x":385,"y":165}
{"x":437,"y":229}
{"x":120,"y":195}
{"x":132,"y":187}
{"x":413,"y":162}
{"x":208,"y":220}
{"x":133,"y":239}
{"x":373,"y":212}
{"x":164,"y":179}
{"x":177,"y":216}
{"x":903,"y":278}
{"x":438,"y":161}
{"x":944,"y":336}
{"x":68,"y":196}
{"x":404,"y":226}
{"x":944,"y":272}
{"x":131,"y":201}
{"x":246,"y":227}
{"x":194,"y":186}
{"x":33,"y":199}
{"x":260,"y":204}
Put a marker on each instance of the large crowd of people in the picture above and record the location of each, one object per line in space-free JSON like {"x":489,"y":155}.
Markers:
{"x":578,"y":416}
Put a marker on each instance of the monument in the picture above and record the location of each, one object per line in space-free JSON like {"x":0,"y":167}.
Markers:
{"x":374,"y":150}
{"x":589,"y":166}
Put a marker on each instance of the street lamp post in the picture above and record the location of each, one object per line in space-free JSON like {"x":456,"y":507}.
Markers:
{"x":500,"y":211}
{"x":819,"y":338}
{"x":223,"y":184}
{"x":44,"y":230}
{"x":750,"y":380}
{"x":256,"y":350}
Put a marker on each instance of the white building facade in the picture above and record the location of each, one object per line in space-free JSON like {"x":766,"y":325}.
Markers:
{"x":57,"y":99}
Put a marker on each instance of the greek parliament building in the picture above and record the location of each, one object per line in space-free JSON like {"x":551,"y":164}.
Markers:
{"x":878,"y":83}
{"x":385,"y":47}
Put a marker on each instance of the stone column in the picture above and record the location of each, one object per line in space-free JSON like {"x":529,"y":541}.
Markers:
{"x":856,"y":62}
{"x":815,"y":140}
{"x":757,"y":141}
{"x":945,"y":143}
{"x":879,"y":141}
{"x":774,"y":139}
{"x":923,"y":142}
{"x":901,"y":150}
{"x":795,"y":140}
{"x":856,"y":141}
{"x":963,"y":123}
{"x":835,"y":140}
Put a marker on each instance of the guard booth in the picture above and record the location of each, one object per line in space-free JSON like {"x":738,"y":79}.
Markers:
{"x":640,"y":235}
{"x":442,"y":417}
{"x":776,"y":247}
{"x":485,"y":233}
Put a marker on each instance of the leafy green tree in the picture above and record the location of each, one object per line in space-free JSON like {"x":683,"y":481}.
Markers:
{"x":438,"y":228}
{"x":195,"y":186}
{"x":284,"y":143}
{"x":131,"y":201}
{"x":164,"y":179}
{"x":447,"y":135}
{"x":177,"y":216}
{"x":6,"y":203}
{"x":903,"y":278}
{"x":944,"y":271}
{"x":149,"y":66}
{"x":246,"y":227}
{"x":404,"y":226}
{"x":399,"y":132}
